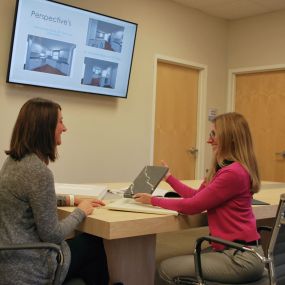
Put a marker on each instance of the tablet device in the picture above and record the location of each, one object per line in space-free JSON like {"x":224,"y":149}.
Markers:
{"x":147,"y":180}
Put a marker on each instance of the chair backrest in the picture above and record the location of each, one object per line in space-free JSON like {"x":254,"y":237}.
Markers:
{"x":276,"y":248}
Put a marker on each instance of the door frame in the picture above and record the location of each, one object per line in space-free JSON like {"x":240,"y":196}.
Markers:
{"x":201,"y":109}
{"x":232,"y":80}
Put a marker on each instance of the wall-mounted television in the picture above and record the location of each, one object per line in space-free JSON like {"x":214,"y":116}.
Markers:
{"x":64,"y":47}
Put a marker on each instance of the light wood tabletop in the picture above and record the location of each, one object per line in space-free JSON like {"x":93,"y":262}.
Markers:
{"x":111,"y":224}
{"x":130,"y":237}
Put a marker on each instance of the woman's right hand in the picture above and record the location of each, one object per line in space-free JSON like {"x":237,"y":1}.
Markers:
{"x":168,"y":173}
{"x":86,"y":206}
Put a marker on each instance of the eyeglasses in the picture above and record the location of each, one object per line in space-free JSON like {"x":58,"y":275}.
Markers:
{"x":212,"y":134}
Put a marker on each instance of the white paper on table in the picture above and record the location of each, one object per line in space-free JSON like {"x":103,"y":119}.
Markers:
{"x":96,"y":190}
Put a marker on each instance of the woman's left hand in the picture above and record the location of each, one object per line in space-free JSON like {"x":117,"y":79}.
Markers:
{"x":95,"y":202}
{"x":143,"y":198}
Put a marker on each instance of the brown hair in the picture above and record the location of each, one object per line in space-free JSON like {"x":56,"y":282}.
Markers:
{"x":34,"y":130}
{"x":235,"y":144}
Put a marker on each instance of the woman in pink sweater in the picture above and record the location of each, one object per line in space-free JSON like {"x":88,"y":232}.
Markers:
{"x":226,"y":195}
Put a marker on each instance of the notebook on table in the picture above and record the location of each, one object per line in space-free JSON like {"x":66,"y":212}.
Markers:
{"x":173,"y":194}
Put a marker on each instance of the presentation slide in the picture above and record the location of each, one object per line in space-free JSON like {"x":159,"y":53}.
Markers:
{"x":64,"y":47}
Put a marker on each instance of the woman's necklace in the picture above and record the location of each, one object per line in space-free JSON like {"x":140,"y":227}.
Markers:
{"x":225,"y":162}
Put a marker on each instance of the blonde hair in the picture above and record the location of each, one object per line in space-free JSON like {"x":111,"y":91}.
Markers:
{"x":235,"y":144}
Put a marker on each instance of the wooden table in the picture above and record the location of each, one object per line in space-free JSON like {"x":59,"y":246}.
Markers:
{"x":130,"y":238}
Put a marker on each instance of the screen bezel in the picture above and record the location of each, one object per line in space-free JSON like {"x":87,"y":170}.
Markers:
{"x":43,"y":84}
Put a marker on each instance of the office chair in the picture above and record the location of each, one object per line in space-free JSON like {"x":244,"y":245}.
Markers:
{"x":274,"y":259}
{"x":44,"y":245}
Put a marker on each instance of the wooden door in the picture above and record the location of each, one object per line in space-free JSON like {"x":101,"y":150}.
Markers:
{"x":176,"y":118}
{"x":261,"y":98}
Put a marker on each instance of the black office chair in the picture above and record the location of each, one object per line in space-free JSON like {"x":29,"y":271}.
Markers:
{"x":44,"y":245}
{"x":274,"y":259}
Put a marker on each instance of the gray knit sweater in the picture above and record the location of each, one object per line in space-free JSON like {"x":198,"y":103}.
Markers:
{"x":28,"y":213}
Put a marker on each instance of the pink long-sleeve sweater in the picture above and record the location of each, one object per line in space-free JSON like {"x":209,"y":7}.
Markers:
{"x":227,"y":200}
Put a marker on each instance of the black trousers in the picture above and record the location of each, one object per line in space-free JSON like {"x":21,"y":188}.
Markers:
{"x":88,"y":260}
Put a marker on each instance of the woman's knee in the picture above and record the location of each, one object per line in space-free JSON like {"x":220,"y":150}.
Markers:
{"x":177,"y":266}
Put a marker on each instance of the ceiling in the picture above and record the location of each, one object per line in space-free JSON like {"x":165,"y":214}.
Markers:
{"x":234,"y":9}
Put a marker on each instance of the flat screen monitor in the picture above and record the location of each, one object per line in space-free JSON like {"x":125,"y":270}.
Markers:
{"x":60,"y":46}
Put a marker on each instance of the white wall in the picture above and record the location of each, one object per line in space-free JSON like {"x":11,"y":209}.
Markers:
{"x":110,"y":139}
{"x":257,"y":41}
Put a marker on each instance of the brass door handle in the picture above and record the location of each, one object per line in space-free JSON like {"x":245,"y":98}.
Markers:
{"x":282,"y":153}
{"x":192,"y":150}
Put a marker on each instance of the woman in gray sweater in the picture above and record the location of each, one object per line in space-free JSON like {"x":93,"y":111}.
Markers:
{"x":28,"y":208}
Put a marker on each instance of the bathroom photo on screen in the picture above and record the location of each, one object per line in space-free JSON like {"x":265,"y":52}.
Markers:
{"x":60,"y":46}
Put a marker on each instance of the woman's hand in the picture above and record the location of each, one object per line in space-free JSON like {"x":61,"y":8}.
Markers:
{"x":168,"y":173}
{"x":86,"y":207}
{"x":95,"y":202}
{"x":144,"y":198}
{"x":88,"y":204}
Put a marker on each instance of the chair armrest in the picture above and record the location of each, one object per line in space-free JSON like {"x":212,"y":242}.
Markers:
{"x":264,"y":228}
{"x":230,"y":244}
{"x":38,"y":245}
